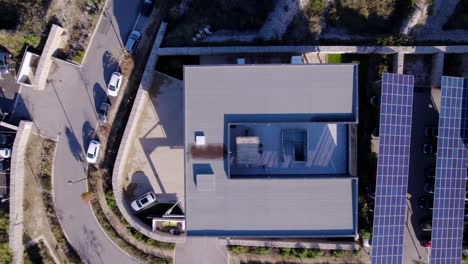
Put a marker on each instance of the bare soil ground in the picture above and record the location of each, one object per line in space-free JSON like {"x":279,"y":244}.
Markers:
{"x":35,"y":219}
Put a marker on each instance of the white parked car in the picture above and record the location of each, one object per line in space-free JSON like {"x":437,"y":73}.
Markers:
{"x":93,"y":151}
{"x":132,"y":41}
{"x":143,"y":201}
{"x":5,"y":153}
{"x":114,"y":84}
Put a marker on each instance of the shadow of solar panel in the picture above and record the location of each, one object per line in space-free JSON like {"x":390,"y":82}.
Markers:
{"x":392,"y":168}
{"x":449,"y":194}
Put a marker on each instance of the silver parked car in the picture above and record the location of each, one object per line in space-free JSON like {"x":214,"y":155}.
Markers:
{"x":143,"y":201}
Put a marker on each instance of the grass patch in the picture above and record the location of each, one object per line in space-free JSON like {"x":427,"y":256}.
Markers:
{"x":334,"y":58}
{"x":6,"y":255}
{"x":37,"y":253}
{"x":78,"y":56}
{"x":459,"y":18}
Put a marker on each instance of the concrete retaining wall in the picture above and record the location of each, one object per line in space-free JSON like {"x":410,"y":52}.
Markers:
{"x":54,"y":41}
{"x":306,"y":49}
{"x":118,"y":175}
{"x":291,"y":244}
{"x":17,"y":190}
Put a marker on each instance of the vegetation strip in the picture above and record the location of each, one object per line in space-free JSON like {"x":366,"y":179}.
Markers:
{"x":93,"y":181}
{"x":38,"y":253}
{"x":293,"y":253}
{"x":45,"y":180}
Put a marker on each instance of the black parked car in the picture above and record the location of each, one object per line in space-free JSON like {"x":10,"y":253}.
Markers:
{"x":6,"y":140}
{"x":147,"y":7}
{"x":4,"y":165}
{"x":429,"y":173}
{"x":426,"y":202}
{"x":102,"y":113}
{"x":429,"y":188}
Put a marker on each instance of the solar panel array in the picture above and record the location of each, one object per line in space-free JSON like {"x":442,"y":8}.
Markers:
{"x":449,"y":195}
{"x":392,"y":169}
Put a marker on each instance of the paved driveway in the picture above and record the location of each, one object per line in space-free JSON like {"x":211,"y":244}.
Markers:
{"x":424,"y":115}
{"x":206,"y":250}
{"x":67,"y":108}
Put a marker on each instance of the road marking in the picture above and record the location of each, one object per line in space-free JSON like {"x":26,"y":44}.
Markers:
{"x":136,"y":22}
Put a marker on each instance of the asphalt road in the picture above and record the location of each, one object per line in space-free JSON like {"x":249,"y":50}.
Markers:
{"x":67,"y":108}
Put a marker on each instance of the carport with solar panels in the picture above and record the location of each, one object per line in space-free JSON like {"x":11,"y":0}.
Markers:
{"x":393,"y":168}
{"x":450,"y":184}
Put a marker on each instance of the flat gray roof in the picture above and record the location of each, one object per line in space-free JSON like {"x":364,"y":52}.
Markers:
{"x":213,"y":91}
{"x":310,"y":205}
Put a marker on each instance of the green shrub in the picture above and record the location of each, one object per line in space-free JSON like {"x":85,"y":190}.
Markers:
{"x":262,"y":250}
{"x":285,"y":252}
{"x":299,"y":252}
{"x":364,"y":234}
{"x":236,"y":250}
{"x":357,"y":252}
{"x":338,"y":253}
{"x":313,"y":253}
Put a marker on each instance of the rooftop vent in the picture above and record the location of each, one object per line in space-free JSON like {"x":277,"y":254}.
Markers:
{"x":200,"y":138}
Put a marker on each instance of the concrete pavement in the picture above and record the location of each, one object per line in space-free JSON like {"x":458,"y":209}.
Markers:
{"x":206,"y":250}
{"x":67,"y":109}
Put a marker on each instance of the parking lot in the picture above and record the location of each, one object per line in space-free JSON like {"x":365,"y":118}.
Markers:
{"x":7,"y":138}
{"x":425,"y":117}
{"x":156,"y":160}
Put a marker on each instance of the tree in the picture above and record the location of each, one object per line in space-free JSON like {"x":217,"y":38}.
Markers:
{"x":86,"y":196}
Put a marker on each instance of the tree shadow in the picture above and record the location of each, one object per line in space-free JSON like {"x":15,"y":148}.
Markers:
{"x":74,"y":145}
{"x":88,"y":133}
{"x":110,"y":64}
{"x":99,"y":95}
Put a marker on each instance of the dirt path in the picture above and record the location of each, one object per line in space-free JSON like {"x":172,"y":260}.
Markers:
{"x":419,"y":14}
{"x":274,"y":27}
{"x":279,"y":19}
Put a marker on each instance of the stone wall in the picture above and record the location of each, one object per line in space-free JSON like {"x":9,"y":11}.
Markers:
{"x":306,"y":49}
{"x":54,"y":41}
{"x":17,"y":190}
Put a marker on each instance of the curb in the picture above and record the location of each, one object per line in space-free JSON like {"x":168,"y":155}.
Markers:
{"x":105,"y":233}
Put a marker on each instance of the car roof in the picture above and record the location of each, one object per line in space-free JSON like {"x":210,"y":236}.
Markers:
{"x":114,"y":78}
{"x":135,"y":33}
{"x":93,"y":144}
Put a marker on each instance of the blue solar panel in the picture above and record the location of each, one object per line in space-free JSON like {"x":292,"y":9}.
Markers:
{"x":396,"y":111}
{"x":449,"y":194}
